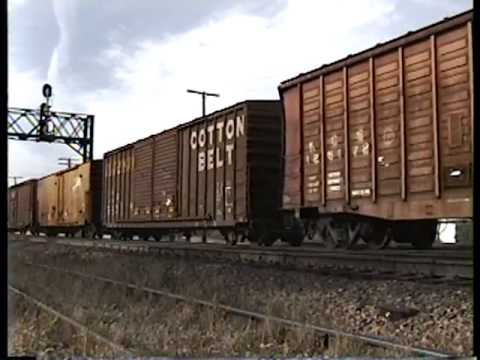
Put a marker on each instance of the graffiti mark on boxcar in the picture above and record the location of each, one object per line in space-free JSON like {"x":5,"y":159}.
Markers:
{"x":388,"y":135}
{"x":313,"y":156}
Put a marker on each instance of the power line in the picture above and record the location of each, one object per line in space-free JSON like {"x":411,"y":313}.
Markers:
{"x":67,"y":162}
{"x":15,"y":179}
{"x":204,"y":96}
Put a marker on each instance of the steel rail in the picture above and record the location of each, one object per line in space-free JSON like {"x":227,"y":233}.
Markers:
{"x":451,"y":266}
{"x":372,"y":340}
{"x":307,"y":247}
{"x":70,"y":321}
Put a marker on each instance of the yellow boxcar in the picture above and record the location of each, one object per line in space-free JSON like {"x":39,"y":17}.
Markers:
{"x":69,"y":200}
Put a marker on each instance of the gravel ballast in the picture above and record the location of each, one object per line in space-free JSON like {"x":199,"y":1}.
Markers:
{"x":432,"y":316}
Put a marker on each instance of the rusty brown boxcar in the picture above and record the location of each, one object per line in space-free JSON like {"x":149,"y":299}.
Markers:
{"x":22,"y":212}
{"x":69,"y":201}
{"x":383,"y":139}
{"x":220,"y":172}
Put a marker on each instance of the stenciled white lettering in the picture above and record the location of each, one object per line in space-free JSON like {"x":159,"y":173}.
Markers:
{"x":193,"y":140}
{"x":229,"y":148}
{"x":201,"y":161}
{"x":201,"y":138}
{"x":211,"y":140}
{"x":230,"y":130}
{"x":210,"y":159}
{"x":240,"y":125}
{"x":210,"y":134}
{"x":220,"y":126}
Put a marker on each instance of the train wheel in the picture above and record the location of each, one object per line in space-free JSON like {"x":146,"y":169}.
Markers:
{"x":268,"y":239}
{"x":426,"y":232}
{"x":204,"y":236}
{"x":377,"y":236}
{"x":88,"y":232}
{"x":231,"y":237}
{"x":294,"y":237}
{"x":421,"y":234}
{"x":335,"y":236}
{"x":354,"y":233}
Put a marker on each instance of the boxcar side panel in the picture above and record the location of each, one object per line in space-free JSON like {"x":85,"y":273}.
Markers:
{"x":165,"y":176}
{"x":193,"y":169}
{"x":455,"y":104}
{"x":313,"y":135}
{"x":264,"y":158}
{"x":74,"y":196}
{"x":143,"y":180}
{"x":360,"y":129}
{"x":118,"y":170}
{"x":336,"y":176}
{"x":293,"y":158}
{"x":389,"y":113}
{"x":239,"y":142}
{"x":184,"y":173}
{"x":47,"y":195}
{"x":22,"y":205}
{"x":389,"y":135}
{"x":214,"y":167}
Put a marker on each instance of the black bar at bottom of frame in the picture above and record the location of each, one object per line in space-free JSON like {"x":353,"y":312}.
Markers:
{"x":21,"y":357}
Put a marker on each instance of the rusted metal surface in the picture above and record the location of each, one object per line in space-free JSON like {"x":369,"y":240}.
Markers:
{"x":205,"y":173}
{"x":395,"y":127}
{"x":21,"y":206}
{"x":71,"y":197}
{"x":379,"y":49}
{"x":165,"y":201}
{"x":292,"y":159}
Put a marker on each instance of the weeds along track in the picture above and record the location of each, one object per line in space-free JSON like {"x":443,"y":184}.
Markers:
{"x":88,"y":332}
{"x":405,"y":312}
{"x":370,"y":340}
{"x":440,"y":265}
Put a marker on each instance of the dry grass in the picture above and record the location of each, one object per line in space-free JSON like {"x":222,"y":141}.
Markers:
{"x":152,"y":325}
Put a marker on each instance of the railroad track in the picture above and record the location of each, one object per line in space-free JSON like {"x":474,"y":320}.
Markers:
{"x":69,"y":320}
{"x":442,"y":265}
{"x":382,"y":342}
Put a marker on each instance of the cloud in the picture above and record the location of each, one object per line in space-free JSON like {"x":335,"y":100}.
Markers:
{"x":130,"y":66}
{"x":78,"y":30}
{"x":239,"y":56}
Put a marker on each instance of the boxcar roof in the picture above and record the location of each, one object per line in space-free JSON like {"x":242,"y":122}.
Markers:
{"x":62,"y":171}
{"x":187,"y":124}
{"x":22,"y":183}
{"x":409,"y":37}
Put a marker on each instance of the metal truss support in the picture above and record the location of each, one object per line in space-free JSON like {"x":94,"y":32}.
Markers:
{"x":74,"y":130}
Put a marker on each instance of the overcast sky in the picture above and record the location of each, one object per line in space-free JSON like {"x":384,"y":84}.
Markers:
{"x":129,"y":62}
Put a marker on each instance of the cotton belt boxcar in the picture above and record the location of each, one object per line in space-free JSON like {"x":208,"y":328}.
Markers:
{"x":221,"y":172}
{"x":379,"y":145}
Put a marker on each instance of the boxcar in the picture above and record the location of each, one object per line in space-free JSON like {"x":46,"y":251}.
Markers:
{"x":69,"y":200}
{"x":383,"y":139}
{"x":221,"y":172}
{"x":22,"y":207}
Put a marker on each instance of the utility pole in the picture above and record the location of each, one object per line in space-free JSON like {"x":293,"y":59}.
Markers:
{"x":67,"y":161}
{"x":204,"y":95}
{"x":15,"y":179}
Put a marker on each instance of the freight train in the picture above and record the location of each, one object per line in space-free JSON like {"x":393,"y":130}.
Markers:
{"x":375,"y":147}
